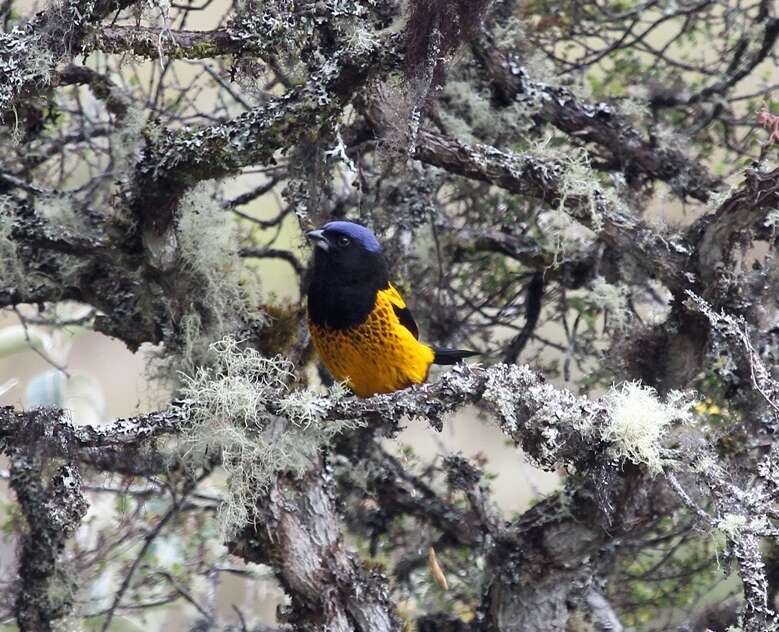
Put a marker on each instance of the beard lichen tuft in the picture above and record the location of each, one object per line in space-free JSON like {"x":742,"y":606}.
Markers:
{"x":243,"y":410}
{"x":210,"y":265}
{"x":638,"y":421}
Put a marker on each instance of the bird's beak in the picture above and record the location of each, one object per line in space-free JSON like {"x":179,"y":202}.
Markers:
{"x":319,"y":240}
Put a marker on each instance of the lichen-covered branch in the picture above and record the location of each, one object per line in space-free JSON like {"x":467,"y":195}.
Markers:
{"x":742,"y":210}
{"x":299,"y":536}
{"x":175,"y":160}
{"x":52,"y":510}
{"x":146,"y":41}
{"x":624,"y":148}
{"x":551,"y":424}
{"x":53,"y":435}
{"x":513,"y":184}
{"x":539,"y":178}
{"x":30,"y":52}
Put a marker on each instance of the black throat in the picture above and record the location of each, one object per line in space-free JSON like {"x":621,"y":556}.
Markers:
{"x":341,"y":296}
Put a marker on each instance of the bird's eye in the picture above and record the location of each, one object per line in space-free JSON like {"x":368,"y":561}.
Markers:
{"x":344,"y":241}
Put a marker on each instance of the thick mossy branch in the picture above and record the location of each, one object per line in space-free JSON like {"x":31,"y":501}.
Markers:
{"x":149,"y":42}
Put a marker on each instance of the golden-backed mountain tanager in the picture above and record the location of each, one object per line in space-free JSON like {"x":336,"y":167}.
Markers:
{"x":359,"y":322}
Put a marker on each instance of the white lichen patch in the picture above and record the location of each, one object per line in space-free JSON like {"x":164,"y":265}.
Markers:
{"x":60,"y":212}
{"x":638,"y":420}
{"x":528,"y":407}
{"x":243,"y":409}
{"x":717,"y":198}
{"x":772,"y":219}
{"x":502,"y":393}
{"x":732,"y":524}
{"x":361,"y":40}
{"x":706,"y":463}
{"x":24,"y":60}
{"x":305,"y":406}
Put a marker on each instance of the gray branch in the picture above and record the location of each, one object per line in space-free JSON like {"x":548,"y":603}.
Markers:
{"x":300,"y":537}
{"x":53,"y":511}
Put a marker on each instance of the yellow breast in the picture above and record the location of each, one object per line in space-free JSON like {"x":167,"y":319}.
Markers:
{"x":377,"y":356}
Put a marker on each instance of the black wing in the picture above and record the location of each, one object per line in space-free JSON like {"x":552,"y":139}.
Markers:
{"x":406,"y":319}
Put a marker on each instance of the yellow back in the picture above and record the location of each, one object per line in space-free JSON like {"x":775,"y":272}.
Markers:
{"x":378,"y":356}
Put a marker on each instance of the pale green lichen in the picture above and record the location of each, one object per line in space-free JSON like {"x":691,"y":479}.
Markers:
{"x":735,"y":525}
{"x":471,"y":117}
{"x":638,"y":421}
{"x":127,"y":136}
{"x":12,"y":269}
{"x":611,"y":298}
{"x":509,"y":33}
{"x":207,"y":252}
{"x":562,"y":236}
{"x":635,"y":108}
{"x":732,"y":525}
{"x":205,"y":233}
{"x":580,"y":181}
{"x":243,"y":408}
{"x":568,"y":228}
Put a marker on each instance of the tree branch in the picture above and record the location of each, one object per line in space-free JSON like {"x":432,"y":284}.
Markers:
{"x":299,"y":536}
{"x":528,"y":175}
{"x":53,"y":512}
{"x":598,"y":123}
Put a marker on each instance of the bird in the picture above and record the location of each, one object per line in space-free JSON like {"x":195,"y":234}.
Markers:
{"x":361,"y":327}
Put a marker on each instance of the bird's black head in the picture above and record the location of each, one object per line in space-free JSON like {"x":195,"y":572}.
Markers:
{"x":349,"y":268}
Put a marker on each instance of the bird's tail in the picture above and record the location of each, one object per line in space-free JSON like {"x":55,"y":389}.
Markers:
{"x":451,"y":356}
